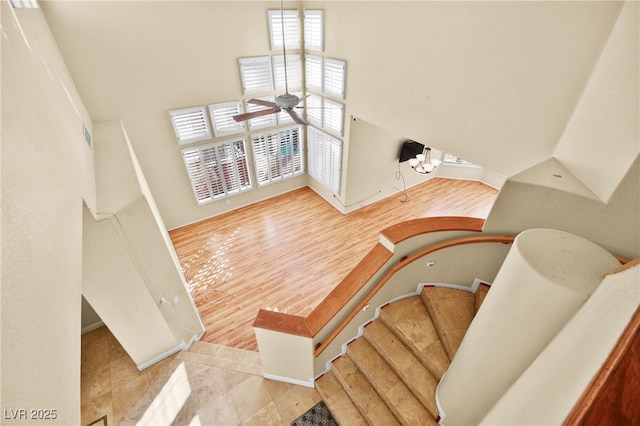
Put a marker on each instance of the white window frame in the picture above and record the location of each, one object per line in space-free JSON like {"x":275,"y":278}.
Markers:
{"x":209,"y":178}
{"x":314,"y":30}
{"x":314,"y":72}
{"x":256,"y":74}
{"x":452,"y":160}
{"x":276,"y":157}
{"x":294,"y":72}
{"x":335,"y":75}
{"x":190,"y":124}
{"x":291,"y":29}
{"x":324,"y":158}
{"x":222,"y":118}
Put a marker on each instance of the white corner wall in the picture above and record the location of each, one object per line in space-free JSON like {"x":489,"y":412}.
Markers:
{"x":46,"y":173}
{"x":602,"y":137}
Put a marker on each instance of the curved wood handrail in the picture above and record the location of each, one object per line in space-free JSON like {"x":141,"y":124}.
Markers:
{"x":411,"y":228}
{"x":404,"y":262}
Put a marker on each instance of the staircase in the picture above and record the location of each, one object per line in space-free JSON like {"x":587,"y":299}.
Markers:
{"x":389,"y":375}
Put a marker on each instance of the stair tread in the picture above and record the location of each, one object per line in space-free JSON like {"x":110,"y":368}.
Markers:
{"x":337,"y":400}
{"x":409,"y":320}
{"x":411,"y":371}
{"x":392,"y":390}
{"x":451,"y":311}
{"x":364,"y":397}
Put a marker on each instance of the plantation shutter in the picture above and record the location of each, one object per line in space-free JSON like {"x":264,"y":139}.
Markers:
{"x":222,"y":118}
{"x":262,"y":121}
{"x":334,"y":77}
{"x":313,"y":72}
{"x":313,"y":108}
{"x":333,"y":117}
{"x":291,"y":29}
{"x":217,"y":170}
{"x":294,"y":72}
{"x":325,"y":159}
{"x":314,"y":30}
{"x":190,"y":124}
{"x":256,"y":74}
{"x":277,"y":154}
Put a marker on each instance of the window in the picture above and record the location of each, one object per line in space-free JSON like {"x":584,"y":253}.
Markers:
{"x":334,"y":77}
{"x":291,"y":29}
{"x":262,"y":121}
{"x":256,"y":74}
{"x":278,"y":154}
{"x":28,"y":4}
{"x":314,"y":30}
{"x":325,"y":158}
{"x":222,"y":118}
{"x":313,"y":108}
{"x":457,"y":161}
{"x":217,"y":170}
{"x":190,"y":124}
{"x":313,"y":72}
{"x":333,"y":116}
{"x":294,"y":72}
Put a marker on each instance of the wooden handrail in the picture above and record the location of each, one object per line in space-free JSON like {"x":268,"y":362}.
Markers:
{"x":410,"y":228}
{"x":625,"y":265}
{"x":404,"y":262}
{"x":281,"y":322}
{"x":595,"y":402}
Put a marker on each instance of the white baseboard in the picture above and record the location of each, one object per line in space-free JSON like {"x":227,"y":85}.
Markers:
{"x":91,"y":327}
{"x":162,"y":356}
{"x":309,"y":384}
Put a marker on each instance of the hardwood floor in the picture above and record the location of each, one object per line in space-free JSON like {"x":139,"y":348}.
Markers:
{"x":290,"y":251}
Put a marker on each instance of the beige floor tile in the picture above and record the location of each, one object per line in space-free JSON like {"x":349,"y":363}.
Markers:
{"x":96,"y":408}
{"x":268,"y":415}
{"x":295,"y":402}
{"x":94,"y":355}
{"x":250,"y":396}
{"x":95,"y":384}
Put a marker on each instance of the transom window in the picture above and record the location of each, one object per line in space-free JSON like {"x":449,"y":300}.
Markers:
{"x":291,"y":29}
{"x":314,"y":30}
{"x":256,"y":74}
{"x":222,"y":118}
{"x":190,"y":124}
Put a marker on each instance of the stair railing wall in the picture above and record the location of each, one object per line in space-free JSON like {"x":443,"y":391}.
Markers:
{"x":287,"y":343}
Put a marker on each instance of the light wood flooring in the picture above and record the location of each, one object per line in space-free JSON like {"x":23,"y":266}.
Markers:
{"x":290,"y":251}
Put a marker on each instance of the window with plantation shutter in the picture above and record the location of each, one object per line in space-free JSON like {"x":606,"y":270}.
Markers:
{"x":222,"y":118}
{"x":294,"y":72}
{"x":314,"y":30}
{"x":313,"y":68}
{"x":263,"y":121}
{"x":456,"y":161}
{"x":313,"y":109}
{"x":278,"y":154}
{"x":324,"y":158}
{"x":190,"y":124}
{"x":217,"y":170}
{"x":334,"y":77}
{"x":291,"y":29}
{"x":333,"y":116}
{"x":256,"y":74}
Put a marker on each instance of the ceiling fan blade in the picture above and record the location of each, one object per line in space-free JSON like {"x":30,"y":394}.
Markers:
{"x":263,"y":103}
{"x":254,"y":114}
{"x":296,"y":117}
{"x":302,"y":98}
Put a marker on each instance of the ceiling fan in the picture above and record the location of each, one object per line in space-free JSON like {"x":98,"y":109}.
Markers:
{"x":285,"y":102}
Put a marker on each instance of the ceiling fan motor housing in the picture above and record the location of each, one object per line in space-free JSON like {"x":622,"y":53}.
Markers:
{"x":287,"y":101}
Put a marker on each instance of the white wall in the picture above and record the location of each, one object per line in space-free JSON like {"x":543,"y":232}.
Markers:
{"x":601,"y":139}
{"x":47,"y":172}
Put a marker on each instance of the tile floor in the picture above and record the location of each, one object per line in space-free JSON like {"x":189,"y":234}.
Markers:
{"x":207,"y":385}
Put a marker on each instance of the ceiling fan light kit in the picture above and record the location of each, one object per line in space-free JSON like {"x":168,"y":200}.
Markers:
{"x":423,"y":163}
